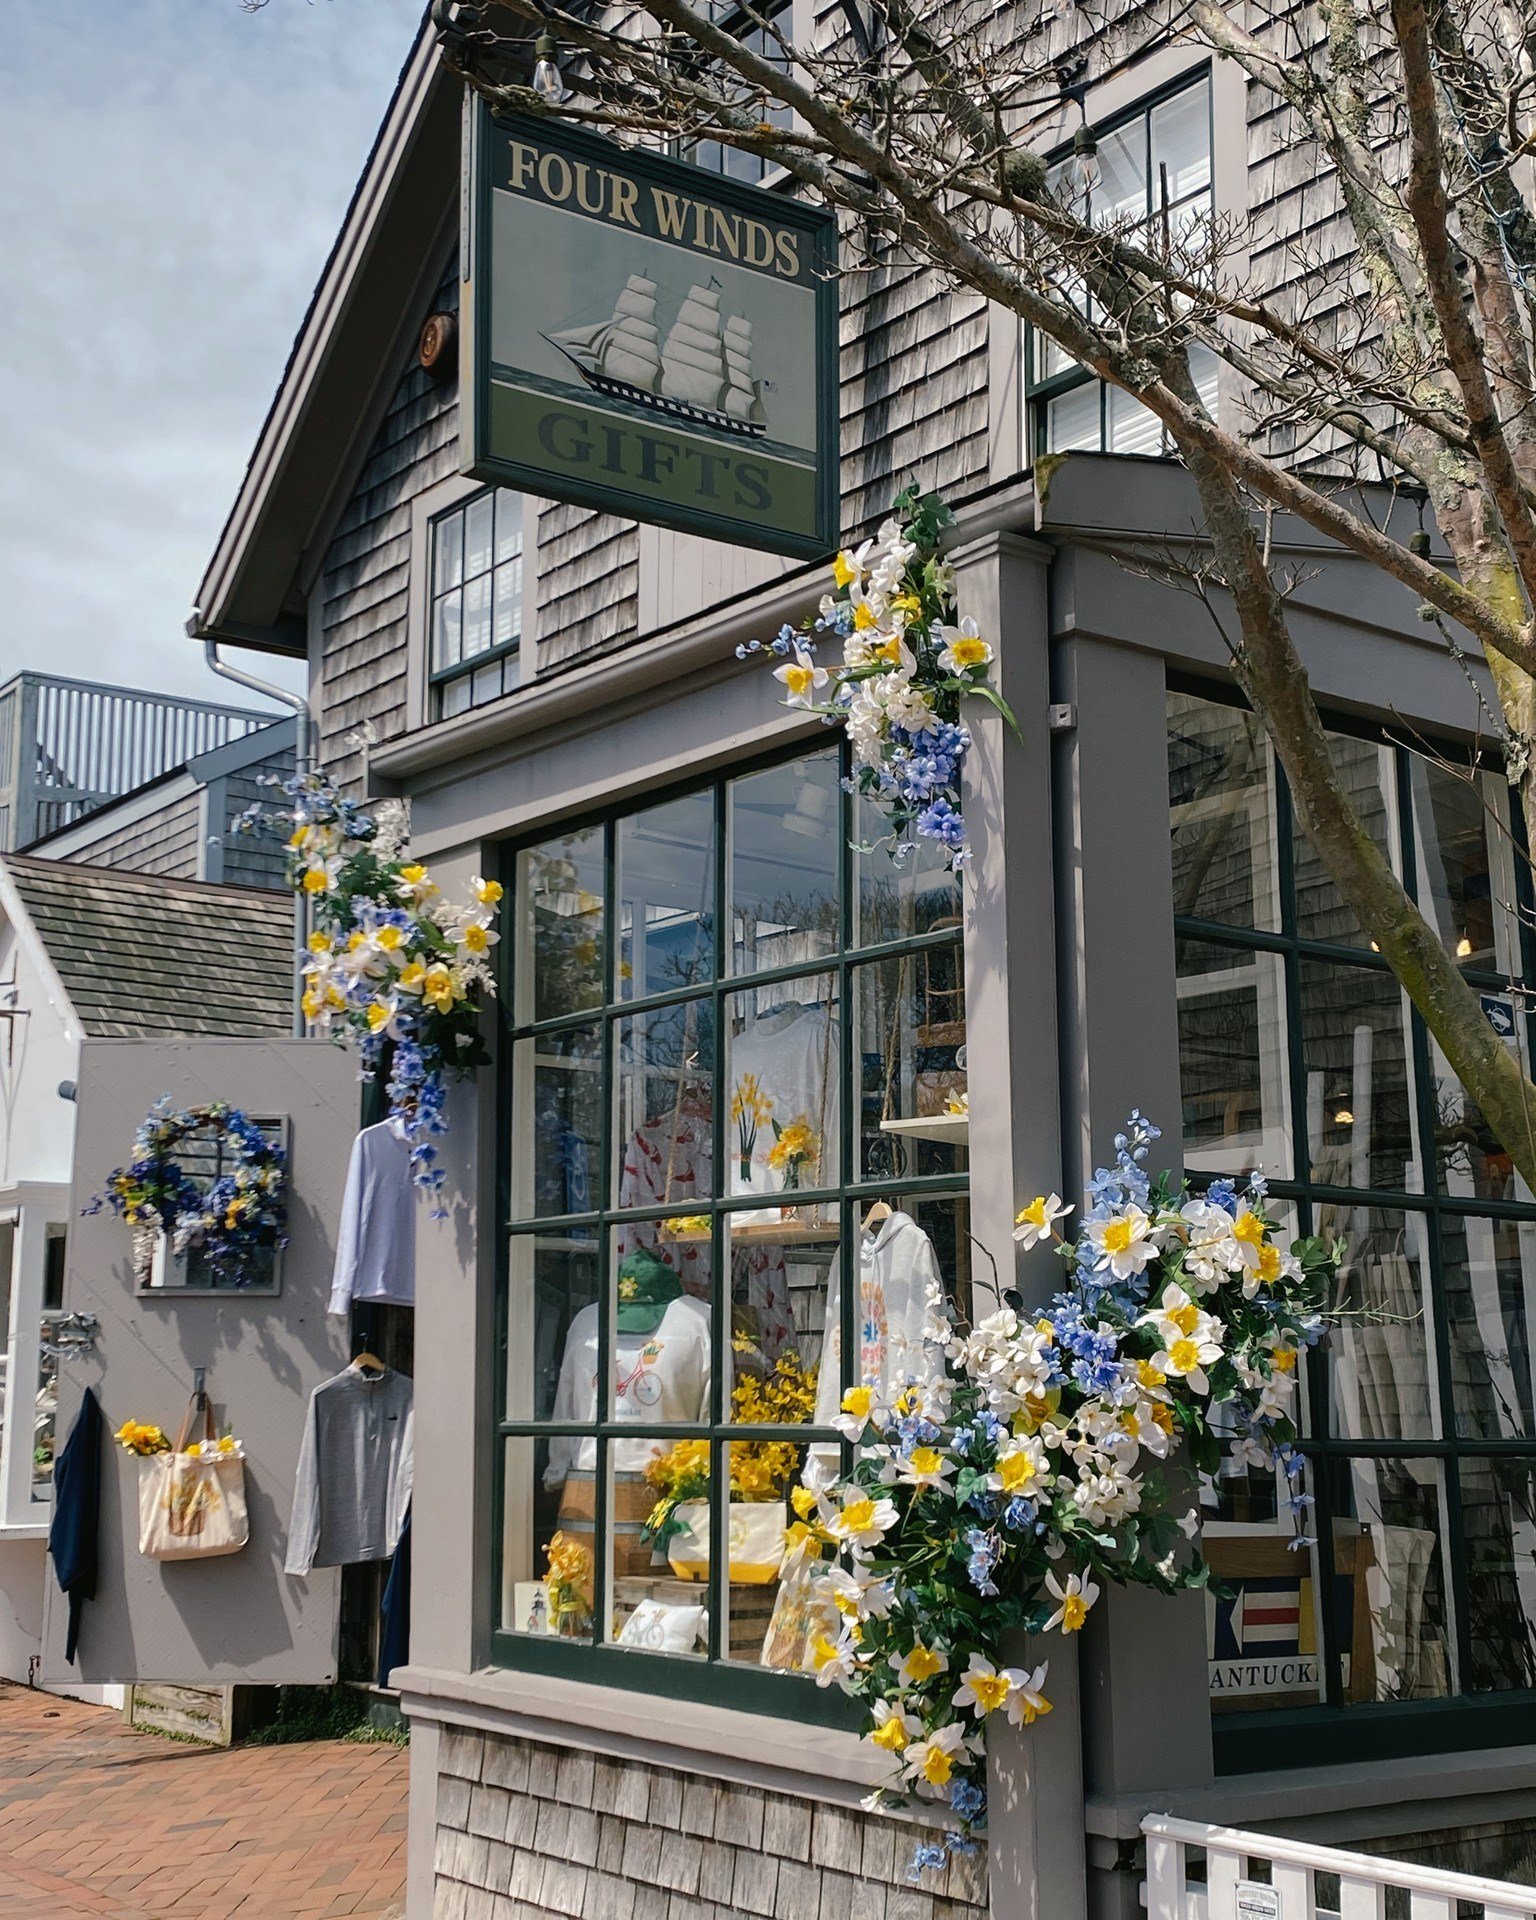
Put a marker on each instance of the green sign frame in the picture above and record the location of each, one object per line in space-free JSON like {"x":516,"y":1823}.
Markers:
{"x":648,"y":338}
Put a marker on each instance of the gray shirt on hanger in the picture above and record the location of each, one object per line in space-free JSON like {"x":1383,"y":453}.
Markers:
{"x":354,"y":1480}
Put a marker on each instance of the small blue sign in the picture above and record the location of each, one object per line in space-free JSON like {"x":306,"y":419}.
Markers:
{"x":1499,"y":1012}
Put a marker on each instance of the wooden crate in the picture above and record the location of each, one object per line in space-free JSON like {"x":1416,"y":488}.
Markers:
{"x":214,"y":1716}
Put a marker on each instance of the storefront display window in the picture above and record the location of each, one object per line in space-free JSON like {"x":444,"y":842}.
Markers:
{"x":734,"y":1150}
{"x":1300,"y":1054}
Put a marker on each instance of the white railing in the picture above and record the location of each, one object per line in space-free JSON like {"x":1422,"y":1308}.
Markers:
{"x":1255,"y":1876}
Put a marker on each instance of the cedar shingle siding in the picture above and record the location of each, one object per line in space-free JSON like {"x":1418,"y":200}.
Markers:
{"x":139,"y":954}
{"x":167,"y":841}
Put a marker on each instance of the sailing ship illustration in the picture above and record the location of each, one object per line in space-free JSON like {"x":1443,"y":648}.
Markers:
{"x":702,"y":371}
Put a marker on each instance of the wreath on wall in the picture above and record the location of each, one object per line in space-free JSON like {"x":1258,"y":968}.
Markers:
{"x":230,"y":1221}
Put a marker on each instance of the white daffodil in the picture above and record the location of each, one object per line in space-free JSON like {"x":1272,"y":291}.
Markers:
{"x":863,"y":1522}
{"x":1210,"y":1253}
{"x":856,"y":1596}
{"x":1072,"y":1601}
{"x":1272,"y":1264}
{"x":917,"y":1668}
{"x":1123,"y":1242}
{"x":923,"y":1467}
{"x":801,"y":678}
{"x":834,"y":1661}
{"x":1027,"y":1702}
{"x":857,"y":1410}
{"x":1020,"y":1467}
{"x":1106,"y":1497}
{"x":848,"y":567}
{"x":932,"y":1761}
{"x":1187,"y":1358}
{"x":963,"y":648}
{"x":474,"y":934}
{"x":1248,"y":1233}
{"x":895,"y":1729}
{"x":1037,"y":1221}
{"x":985,"y":1688}
{"x":1177,"y":1317}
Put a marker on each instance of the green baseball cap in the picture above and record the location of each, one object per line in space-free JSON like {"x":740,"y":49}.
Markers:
{"x":647,"y":1287}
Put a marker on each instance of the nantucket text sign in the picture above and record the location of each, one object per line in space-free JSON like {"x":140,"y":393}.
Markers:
{"x":649,"y":338}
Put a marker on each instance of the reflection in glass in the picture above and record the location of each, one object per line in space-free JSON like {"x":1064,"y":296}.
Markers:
{"x":666,"y":892}
{"x":910,"y":1064}
{"x":1389,"y":1551}
{"x":557,"y":1136}
{"x":1489,"y":1275}
{"x":1359,"y":1127}
{"x":558,"y":967}
{"x":897,"y":901}
{"x":665,"y":1070}
{"x":779,"y":1273}
{"x":1365,"y":774}
{"x":1456,"y":888}
{"x":781,"y":1074}
{"x":550,"y":1279}
{"x":1381,"y":1356}
{"x":1232,"y":1065}
{"x":785,"y":829}
{"x":1498,"y":1527}
{"x":1264,"y":1628}
{"x":1221,"y":801}
{"x":1470,"y":1161}
{"x":547,"y":1556}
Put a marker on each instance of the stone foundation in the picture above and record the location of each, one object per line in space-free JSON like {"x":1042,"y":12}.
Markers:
{"x":526,"y":1831}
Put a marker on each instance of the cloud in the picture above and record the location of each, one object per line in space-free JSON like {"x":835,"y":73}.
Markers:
{"x":172,"y":176}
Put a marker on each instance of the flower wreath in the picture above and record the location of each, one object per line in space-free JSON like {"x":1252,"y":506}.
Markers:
{"x":232,"y":1220}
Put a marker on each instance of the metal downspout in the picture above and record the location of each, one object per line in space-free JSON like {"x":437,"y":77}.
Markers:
{"x":301,"y":755}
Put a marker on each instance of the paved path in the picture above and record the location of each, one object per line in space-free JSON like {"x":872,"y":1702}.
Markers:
{"x":97,"y":1823}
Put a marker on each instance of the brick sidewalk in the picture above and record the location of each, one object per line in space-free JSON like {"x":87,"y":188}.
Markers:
{"x":97,"y":1823}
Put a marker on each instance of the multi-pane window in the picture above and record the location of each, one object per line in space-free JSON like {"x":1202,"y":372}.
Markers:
{"x":1300,"y":1054}
{"x":475,"y":619}
{"x":1152,"y":175}
{"x":734,"y":1152}
{"x":757,"y":35}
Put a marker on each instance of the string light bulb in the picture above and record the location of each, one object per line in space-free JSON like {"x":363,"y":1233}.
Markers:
{"x":1344,"y":1117}
{"x":1463,"y":948}
{"x":1083,"y":169}
{"x":548,"y":81}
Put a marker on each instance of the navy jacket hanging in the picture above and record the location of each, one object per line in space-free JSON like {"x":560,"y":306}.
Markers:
{"x":395,"y":1608}
{"x":72,"y":1538}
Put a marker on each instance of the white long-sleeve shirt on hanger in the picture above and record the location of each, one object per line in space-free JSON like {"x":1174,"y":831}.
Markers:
{"x":354,"y":1480}
{"x":897,"y":1264}
{"x":376,"y":1242}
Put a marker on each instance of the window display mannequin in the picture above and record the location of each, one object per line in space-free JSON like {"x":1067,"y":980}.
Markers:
{"x":661,"y":1361}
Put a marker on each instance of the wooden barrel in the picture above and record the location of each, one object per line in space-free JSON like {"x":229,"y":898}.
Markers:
{"x":630,"y":1500}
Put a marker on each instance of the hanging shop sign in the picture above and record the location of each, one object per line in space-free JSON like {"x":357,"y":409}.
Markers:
{"x":649,"y":338}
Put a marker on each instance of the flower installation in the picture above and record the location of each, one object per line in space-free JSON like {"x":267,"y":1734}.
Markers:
{"x":760,"y":1469}
{"x":998,"y":1495}
{"x":392,"y":963}
{"x":794,"y":1148}
{"x":906,"y":668}
{"x":229,"y":1219}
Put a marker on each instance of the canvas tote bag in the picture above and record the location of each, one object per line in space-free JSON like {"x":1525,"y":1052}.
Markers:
{"x":191,"y":1507}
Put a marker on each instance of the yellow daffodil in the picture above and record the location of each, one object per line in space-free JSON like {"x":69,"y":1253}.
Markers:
{"x":1072,"y":1601}
{"x":845,"y":569}
{"x":919,"y":1666}
{"x":319,"y":942}
{"x":1037,"y":1221}
{"x":487,"y":892}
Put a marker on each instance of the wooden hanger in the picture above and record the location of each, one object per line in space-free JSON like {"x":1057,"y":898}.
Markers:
{"x":877,"y":1216}
{"x":367,"y":1362}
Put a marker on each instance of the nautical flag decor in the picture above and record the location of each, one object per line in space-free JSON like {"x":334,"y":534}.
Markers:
{"x":1263,"y":1637}
{"x":649,"y":338}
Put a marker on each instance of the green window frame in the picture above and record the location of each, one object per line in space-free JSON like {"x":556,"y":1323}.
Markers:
{"x":858,"y":950}
{"x":1067,"y":408}
{"x":475,"y":601}
{"x":1421,"y":1404}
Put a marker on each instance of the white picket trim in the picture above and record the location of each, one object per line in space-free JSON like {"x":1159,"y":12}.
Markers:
{"x":1363,"y":1878}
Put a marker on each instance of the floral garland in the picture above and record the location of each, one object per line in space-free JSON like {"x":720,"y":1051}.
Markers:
{"x":997,"y":1493}
{"x":391,"y":961}
{"x":904,"y":674}
{"x":137,"y":1437}
{"x":239,"y":1215}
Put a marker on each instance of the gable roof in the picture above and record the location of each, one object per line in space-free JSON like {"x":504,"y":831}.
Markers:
{"x":370,"y":298}
{"x":139,"y":954}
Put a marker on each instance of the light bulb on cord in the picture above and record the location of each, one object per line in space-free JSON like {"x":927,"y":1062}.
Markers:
{"x":1463,"y":948}
{"x":548,"y":81}
{"x":1344,"y":1118}
{"x":1083,"y":169}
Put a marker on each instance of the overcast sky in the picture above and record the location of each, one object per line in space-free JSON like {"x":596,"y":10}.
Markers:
{"x":172,"y":174}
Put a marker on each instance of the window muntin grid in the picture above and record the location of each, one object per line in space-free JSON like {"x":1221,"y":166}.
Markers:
{"x":1295,"y":1038}
{"x":475,"y":601}
{"x":1155,"y":163}
{"x":647,"y":934}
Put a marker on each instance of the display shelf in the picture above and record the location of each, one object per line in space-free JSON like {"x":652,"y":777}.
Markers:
{"x":946,"y":1129}
{"x":777,"y":1233}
